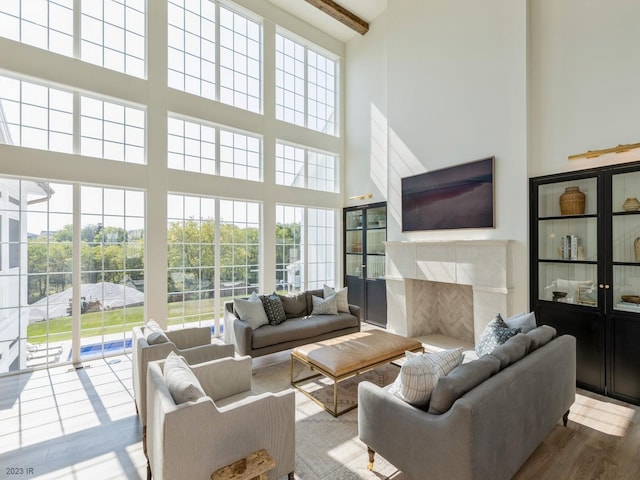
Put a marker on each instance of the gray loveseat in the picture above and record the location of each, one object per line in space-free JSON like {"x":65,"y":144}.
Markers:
{"x":300,"y":327}
{"x":489,"y":431}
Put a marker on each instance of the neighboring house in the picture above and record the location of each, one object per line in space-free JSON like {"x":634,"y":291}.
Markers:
{"x":14,"y":317}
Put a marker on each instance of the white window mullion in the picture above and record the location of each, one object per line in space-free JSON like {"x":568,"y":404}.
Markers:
{"x":216,"y":281}
{"x":76,"y":277}
{"x":217,"y":47}
{"x":77,"y":29}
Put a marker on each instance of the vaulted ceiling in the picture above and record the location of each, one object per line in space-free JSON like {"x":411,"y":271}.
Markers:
{"x":366,"y":10}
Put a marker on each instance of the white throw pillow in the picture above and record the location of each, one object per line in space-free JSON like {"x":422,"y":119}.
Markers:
{"x":342,"y":300}
{"x":525,"y":321}
{"x":251,"y":311}
{"x":324,"y":306}
{"x":181,"y":381}
{"x":154,"y":334}
{"x":420,"y":373}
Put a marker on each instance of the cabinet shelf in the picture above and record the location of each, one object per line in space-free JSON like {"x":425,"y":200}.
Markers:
{"x":577,"y":262}
{"x":619,"y":214}
{"x":568,"y":217}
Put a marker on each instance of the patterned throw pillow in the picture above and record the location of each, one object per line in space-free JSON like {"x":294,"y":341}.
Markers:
{"x":273,"y":308}
{"x":420,"y":373}
{"x":324,"y":306}
{"x":341,"y":297}
{"x":251,"y":311}
{"x":495,"y":333}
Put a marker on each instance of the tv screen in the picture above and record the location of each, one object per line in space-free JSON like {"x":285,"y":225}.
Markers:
{"x":455,"y":197}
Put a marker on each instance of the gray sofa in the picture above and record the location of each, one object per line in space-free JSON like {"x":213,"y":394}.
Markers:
{"x":489,"y":431}
{"x":300,"y":327}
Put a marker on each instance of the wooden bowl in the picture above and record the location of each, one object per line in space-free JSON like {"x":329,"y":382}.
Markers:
{"x":631,"y":298}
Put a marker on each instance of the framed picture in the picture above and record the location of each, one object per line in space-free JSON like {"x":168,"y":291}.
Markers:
{"x":588,"y":293}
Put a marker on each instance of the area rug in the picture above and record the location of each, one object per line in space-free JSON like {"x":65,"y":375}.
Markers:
{"x":328,"y":448}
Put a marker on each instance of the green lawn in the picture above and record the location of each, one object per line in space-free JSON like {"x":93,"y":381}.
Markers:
{"x":112,"y":321}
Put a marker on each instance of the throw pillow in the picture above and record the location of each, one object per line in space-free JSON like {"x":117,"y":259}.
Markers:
{"x":512,"y":350}
{"x":154,"y":334}
{"x":341,"y":297}
{"x":181,"y":381}
{"x":324,"y":306}
{"x":251,"y":311}
{"x":295,"y":306}
{"x":525,"y":321}
{"x":541,"y":335}
{"x":420,"y":373}
{"x":273,"y":308}
{"x":495,"y":333}
{"x":460,"y":380}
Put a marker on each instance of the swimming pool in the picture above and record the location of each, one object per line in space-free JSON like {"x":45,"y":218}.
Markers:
{"x":108,"y":348}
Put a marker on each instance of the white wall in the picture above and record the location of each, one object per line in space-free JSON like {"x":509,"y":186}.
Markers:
{"x":585,"y":81}
{"x":437,"y":83}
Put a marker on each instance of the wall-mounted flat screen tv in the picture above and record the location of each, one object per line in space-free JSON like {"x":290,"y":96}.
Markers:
{"x":454,"y":197}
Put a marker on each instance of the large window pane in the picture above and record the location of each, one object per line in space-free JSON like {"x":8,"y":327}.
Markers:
{"x":191,"y":260}
{"x":289,"y":248}
{"x":302,"y":167}
{"x":191,"y":146}
{"x":112,"y":268}
{"x":240,"y":155}
{"x":322,"y":247}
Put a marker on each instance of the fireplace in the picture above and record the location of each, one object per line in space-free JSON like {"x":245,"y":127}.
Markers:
{"x":451,"y":289}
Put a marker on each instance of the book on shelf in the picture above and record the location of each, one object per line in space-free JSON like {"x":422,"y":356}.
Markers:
{"x":570,"y":244}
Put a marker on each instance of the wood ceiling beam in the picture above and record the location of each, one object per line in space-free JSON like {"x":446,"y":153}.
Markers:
{"x":341,"y":14}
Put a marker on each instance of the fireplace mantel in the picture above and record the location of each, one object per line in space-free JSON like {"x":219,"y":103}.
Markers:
{"x":485,"y":265}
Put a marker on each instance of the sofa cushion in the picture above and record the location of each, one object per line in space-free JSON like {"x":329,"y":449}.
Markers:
{"x":181,"y":381}
{"x":541,"y":335}
{"x":273,"y":308}
{"x":512,"y":350}
{"x":495,"y":333}
{"x":325,"y":306}
{"x":309,"y":294}
{"x":154,"y":334}
{"x":294,"y":306}
{"x":342,"y":297}
{"x":525,"y":321}
{"x":420,"y":373}
{"x":251,"y":311}
{"x":300,"y":329}
{"x":460,"y":380}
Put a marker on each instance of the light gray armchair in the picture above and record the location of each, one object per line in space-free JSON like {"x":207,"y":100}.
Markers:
{"x":195,"y":438}
{"x":193,"y":343}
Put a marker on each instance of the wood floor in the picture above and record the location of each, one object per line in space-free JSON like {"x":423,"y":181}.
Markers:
{"x":65,"y":423}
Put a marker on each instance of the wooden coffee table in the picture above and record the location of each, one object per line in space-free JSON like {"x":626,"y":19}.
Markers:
{"x":347,"y":356}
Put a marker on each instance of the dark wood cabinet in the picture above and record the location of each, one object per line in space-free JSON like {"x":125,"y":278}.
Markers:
{"x":585,"y":271}
{"x":365,"y":231}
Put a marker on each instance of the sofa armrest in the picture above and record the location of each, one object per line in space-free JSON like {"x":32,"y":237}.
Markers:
{"x":243,"y":334}
{"x":224,"y":377}
{"x":355,"y":311}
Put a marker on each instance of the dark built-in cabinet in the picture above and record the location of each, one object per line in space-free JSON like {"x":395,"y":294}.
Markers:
{"x":365,"y":231}
{"x":585,"y":271}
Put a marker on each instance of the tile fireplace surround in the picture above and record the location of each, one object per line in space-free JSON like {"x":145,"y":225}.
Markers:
{"x":483,"y":266}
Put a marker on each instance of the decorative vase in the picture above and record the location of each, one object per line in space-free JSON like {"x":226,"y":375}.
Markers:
{"x":572,"y":201}
{"x":631,"y":204}
{"x":636,"y":246}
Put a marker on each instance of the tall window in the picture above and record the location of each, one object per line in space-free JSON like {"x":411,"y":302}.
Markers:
{"x":289,"y":248}
{"x":112,"y":268}
{"x":321,"y":233}
{"x":240,"y":155}
{"x":305,"y":250}
{"x":196,"y":62}
{"x":239,"y":247}
{"x":192,"y":146}
{"x":36,"y":116}
{"x":191,"y":257}
{"x":44,"y":24}
{"x":306,"y":86}
{"x":303,"y":167}
{"x":112,"y":32}
{"x":112,"y":131}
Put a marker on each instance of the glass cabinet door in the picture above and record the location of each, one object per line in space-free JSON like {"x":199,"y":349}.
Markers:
{"x":568,"y":242}
{"x":354,"y":243}
{"x":625,"y":241}
{"x":376,"y":236}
